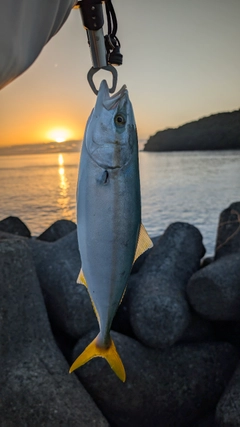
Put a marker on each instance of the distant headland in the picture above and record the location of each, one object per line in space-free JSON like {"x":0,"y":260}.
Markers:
{"x":216,"y":132}
{"x":41,"y":148}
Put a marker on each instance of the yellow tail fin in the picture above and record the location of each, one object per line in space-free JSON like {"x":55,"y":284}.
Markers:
{"x":110,"y":354}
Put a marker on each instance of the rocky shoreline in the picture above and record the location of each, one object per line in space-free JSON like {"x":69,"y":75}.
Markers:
{"x":177,"y":332}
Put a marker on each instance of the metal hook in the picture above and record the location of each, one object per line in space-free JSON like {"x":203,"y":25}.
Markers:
{"x":93,"y":71}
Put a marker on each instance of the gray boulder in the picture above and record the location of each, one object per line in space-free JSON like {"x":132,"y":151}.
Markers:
{"x":167,"y":388}
{"x":14,"y":225}
{"x":214,"y":291}
{"x":199,"y":330}
{"x":121,"y":322}
{"x":57,"y":230}
{"x":228,"y":332}
{"x":159,"y":311}
{"x":68,"y":303}
{"x":206,"y":421}
{"x":228,"y":234}
{"x":35,"y":387}
{"x":5,"y":236}
{"x":228,"y":408}
{"x":206,"y":261}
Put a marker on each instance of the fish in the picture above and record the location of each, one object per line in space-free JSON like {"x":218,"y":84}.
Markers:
{"x":110,"y":233}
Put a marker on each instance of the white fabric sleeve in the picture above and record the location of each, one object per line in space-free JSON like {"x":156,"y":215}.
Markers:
{"x":25,"y":27}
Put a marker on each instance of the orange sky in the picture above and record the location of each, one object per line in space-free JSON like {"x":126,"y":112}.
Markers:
{"x":181,"y":62}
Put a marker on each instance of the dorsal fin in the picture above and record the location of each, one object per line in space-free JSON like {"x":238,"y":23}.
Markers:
{"x":144,"y":242}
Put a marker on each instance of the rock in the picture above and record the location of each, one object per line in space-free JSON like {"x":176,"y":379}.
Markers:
{"x":167,"y":388}
{"x":121,"y":322}
{"x":57,"y":230}
{"x":199,"y":330}
{"x":4,"y":236}
{"x":206,"y":421}
{"x":228,"y":332}
{"x":206,"y":261}
{"x":228,"y":234}
{"x":35,"y":387}
{"x":64,"y":342}
{"x":14,"y":225}
{"x":214,"y":291}
{"x":228,"y":408}
{"x":68,"y":304}
{"x":159,"y":311}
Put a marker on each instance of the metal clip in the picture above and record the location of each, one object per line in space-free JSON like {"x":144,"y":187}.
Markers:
{"x":93,"y":71}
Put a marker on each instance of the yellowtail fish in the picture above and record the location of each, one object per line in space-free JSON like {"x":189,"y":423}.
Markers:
{"x":110,"y":234}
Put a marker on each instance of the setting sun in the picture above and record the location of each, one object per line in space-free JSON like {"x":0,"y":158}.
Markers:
{"x":59,"y":135}
{"x":59,"y":139}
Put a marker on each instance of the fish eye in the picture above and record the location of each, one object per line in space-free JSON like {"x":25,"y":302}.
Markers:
{"x":119,"y":120}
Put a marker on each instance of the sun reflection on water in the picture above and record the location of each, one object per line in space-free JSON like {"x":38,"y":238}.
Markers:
{"x":60,"y":160}
{"x":64,"y":198}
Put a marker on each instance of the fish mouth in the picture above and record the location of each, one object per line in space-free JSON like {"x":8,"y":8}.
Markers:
{"x":107,"y":147}
{"x":107,"y":101}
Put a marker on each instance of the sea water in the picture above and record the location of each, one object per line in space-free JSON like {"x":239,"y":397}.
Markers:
{"x":193,"y":187}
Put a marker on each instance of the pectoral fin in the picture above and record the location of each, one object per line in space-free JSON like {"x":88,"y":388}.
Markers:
{"x":144,"y":242}
{"x":110,"y":354}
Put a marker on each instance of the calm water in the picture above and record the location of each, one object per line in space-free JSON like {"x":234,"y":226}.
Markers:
{"x":192,"y":187}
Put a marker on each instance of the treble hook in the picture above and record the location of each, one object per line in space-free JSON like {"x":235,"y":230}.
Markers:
{"x":93,"y":71}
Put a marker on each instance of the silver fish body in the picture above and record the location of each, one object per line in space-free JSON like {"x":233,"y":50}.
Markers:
{"x":108,"y":210}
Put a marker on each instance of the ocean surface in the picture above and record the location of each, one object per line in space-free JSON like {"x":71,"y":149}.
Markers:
{"x":180,"y":186}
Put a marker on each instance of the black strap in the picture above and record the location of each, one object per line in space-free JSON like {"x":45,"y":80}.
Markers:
{"x":111,"y":18}
{"x":112,"y":25}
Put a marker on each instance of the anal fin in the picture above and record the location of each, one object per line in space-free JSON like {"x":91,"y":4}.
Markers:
{"x":82,"y":280}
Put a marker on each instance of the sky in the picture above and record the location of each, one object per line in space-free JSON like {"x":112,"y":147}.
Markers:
{"x":181,"y":62}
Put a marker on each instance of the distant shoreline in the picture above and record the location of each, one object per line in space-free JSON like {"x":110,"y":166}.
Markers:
{"x":216,"y":132}
{"x":190,"y":150}
{"x":41,"y":148}
{"x":48,"y":148}
{"x":28,"y":153}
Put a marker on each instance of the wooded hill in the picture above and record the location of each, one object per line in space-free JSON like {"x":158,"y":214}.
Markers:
{"x":216,"y":132}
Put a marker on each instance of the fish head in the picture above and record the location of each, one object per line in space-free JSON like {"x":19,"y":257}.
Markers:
{"x":111,"y":130}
